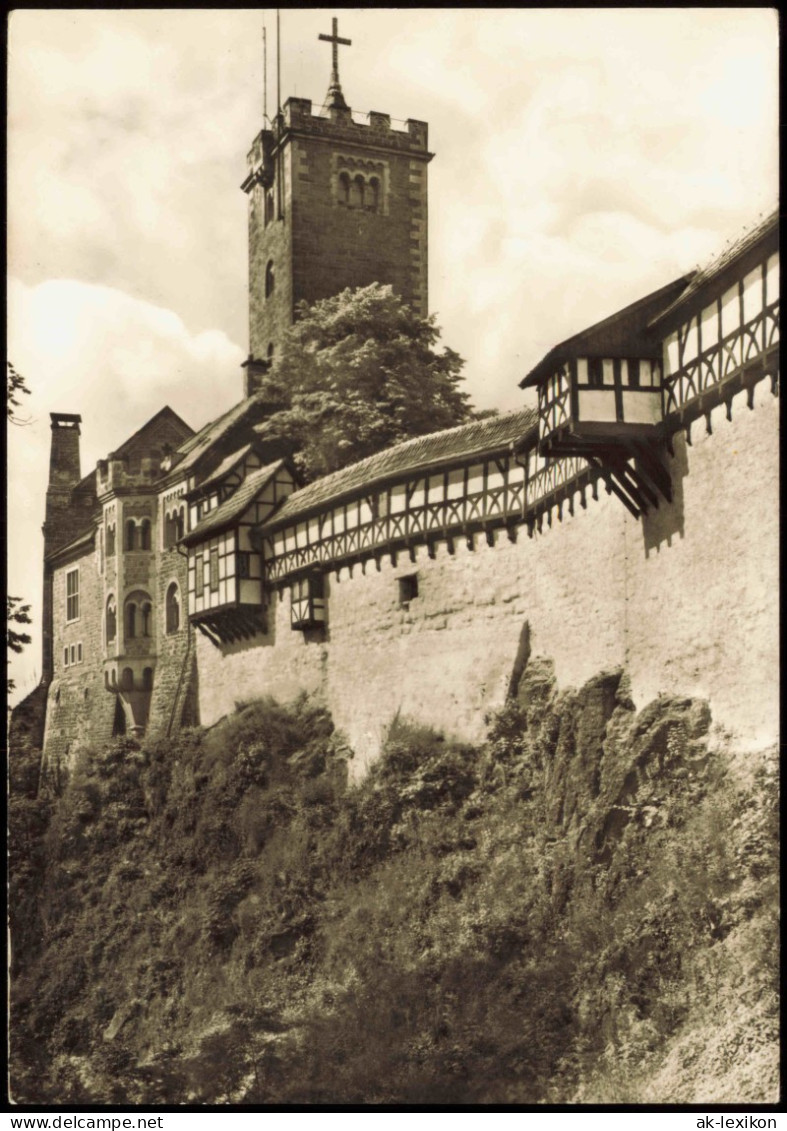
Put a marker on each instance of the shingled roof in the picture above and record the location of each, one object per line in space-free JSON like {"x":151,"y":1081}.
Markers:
{"x":80,"y":540}
{"x":233,"y":507}
{"x":455,"y":445}
{"x":224,"y":468}
{"x":624,"y":334}
{"x":193,"y":449}
{"x":766,"y":232}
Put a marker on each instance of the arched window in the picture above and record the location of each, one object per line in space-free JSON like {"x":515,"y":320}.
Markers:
{"x":112,"y":623}
{"x":144,"y":534}
{"x":173,"y":609}
{"x":131,"y":530}
{"x":179,"y":521}
{"x":111,"y":541}
{"x":269,"y":279}
{"x":127,"y":680}
{"x":135,"y":616}
{"x":374,"y":194}
{"x":147,"y":679}
{"x":344,"y":188}
{"x":356,"y":192}
{"x":268,"y":206}
{"x":270,"y":351}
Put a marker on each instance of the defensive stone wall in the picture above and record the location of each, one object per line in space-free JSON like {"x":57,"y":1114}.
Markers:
{"x":686,"y":601}
{"x":80,"y":710}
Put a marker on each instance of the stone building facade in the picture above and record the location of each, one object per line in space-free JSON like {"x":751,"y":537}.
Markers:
{"x":628,"y":521}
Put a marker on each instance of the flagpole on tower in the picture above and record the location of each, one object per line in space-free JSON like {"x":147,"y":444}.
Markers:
{"x":278,"y":63}
{"x":279,"y":173}
{"x":264,"y":76}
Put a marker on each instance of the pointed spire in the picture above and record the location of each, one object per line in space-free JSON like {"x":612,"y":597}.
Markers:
{"x":335,"y":98}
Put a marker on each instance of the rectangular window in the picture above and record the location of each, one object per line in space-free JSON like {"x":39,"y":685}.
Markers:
{"x":214,"y":568}
{"x":72,"y":595}
{"x":408,"y":588}
{"x":65,"y":657}
{"x":199,"y":577}
{"x":244,"y":565}
{"x":73,"y":654}
{"x":79,"y":653}
{"x":308,"y":602}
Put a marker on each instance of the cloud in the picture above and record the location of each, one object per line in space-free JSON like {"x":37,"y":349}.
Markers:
{"x":116,"y":361}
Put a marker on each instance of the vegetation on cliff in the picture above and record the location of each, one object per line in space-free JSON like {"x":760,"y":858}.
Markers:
{"x":582,"y":910}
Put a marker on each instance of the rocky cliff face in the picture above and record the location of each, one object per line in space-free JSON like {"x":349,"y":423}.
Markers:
{"x":582,"y":909}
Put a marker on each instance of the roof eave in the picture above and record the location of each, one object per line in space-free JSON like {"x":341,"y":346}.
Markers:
{"x":718,"y":281}
{"x":388,"y":478}
{"x":570,"y":347}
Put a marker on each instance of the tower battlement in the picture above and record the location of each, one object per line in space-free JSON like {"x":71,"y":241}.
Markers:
{"x":337,"y":199}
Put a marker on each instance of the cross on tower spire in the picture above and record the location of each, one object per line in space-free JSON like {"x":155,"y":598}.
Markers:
{"x":335,"y":96}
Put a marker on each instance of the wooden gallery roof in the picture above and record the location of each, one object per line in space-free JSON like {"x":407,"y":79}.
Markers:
{"x":233,"y":507}
{"x":454,"y":446}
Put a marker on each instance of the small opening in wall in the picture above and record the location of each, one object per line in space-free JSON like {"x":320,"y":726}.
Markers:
{"x":408,"y":588}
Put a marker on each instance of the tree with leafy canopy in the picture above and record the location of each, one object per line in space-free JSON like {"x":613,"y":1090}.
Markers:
{"x":15,"y":384}
{"x":357,"y":373}
{"x":17,"y":613}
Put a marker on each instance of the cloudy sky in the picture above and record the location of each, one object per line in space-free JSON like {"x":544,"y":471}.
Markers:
{"x":583,"y":158}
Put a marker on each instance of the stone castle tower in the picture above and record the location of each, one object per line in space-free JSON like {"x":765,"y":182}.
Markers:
{"x":333,"y":203}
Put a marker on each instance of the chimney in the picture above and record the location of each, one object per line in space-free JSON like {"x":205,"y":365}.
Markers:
{"x":64,"y":469}
{"x":254,"y":369}
{"x":64,"y":474}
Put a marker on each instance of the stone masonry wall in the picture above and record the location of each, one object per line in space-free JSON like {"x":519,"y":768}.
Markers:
{"x":270,"y":317}
{"x":173,"y":668}
{"x":80,"y":711}
{"x":686,"y":601}
{"x":336,"y":246}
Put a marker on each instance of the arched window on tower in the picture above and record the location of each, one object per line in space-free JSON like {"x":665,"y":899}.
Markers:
{"x":356,"y":192}
{"x":268,"y":206}
{"x":127,"y":680}
{"x":270,"y":279}
{"x":137,"y":613}
{"x":131,"y":529}
{"x":112,"y":624}
{"x":179,"y":524}
{"x":111,"y":541}
{"x":147,"y":679}
{"x":373,"y":203}
{"x":144,"y":534}
{"x":173,"y":609}
{"x":344,"y":188}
